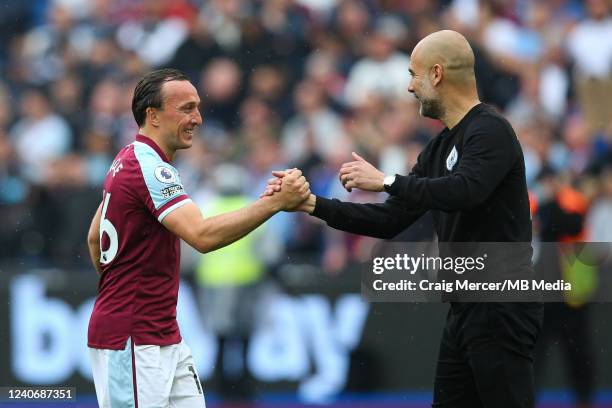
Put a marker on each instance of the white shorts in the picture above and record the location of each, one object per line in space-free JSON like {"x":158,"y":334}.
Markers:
{"x":146,"y":377}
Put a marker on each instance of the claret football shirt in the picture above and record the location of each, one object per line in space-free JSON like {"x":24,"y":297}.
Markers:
{"x":138,"y":288}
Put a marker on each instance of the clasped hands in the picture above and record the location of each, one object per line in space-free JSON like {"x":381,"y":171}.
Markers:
{"x":355,"y":174}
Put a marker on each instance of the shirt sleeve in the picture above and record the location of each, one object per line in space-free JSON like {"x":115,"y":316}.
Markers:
{"x":165,"y":192}
{"x":488,"y":155}
{"x":380,"y":220}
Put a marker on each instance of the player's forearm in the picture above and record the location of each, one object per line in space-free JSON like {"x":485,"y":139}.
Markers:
{"x":94,"y":254}
{"x":93,"y":241}
{"x":224,"y":229}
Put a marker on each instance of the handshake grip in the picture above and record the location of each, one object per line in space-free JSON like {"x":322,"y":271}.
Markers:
{"x":289,"y":189}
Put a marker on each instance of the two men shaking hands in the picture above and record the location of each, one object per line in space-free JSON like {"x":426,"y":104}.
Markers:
{"x":354,"y":174}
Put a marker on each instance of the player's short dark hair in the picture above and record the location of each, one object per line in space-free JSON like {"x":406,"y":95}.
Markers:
{"x":148,"y":91}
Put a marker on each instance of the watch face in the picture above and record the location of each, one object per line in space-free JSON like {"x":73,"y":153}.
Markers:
{"x":388,"y":180}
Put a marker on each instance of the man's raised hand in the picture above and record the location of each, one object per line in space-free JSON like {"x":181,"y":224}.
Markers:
{"x":361,"y":174}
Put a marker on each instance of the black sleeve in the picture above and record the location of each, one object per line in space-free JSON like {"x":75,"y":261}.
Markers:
{"x":488,"y":154}
{"x":381,"y":220}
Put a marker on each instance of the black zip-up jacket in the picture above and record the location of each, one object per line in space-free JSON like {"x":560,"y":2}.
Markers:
{"x":472,"y":179}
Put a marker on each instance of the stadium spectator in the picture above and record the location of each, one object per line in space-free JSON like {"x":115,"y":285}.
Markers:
{"x":40,"y":135}
{"x":315,"y":129}
{"x":591,"y":52}
{"x":382,"y":73}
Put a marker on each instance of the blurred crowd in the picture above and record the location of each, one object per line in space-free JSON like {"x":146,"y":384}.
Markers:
{"x":284,"y":83}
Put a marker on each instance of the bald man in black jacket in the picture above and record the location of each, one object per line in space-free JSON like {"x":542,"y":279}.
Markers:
{"x":472,"y":178}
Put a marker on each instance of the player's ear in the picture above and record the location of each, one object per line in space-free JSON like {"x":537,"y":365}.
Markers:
{"x":435,"y":74}
{"x":152,"y":116}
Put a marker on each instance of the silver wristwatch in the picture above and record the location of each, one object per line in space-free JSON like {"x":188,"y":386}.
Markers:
{"x":388,"y":181}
